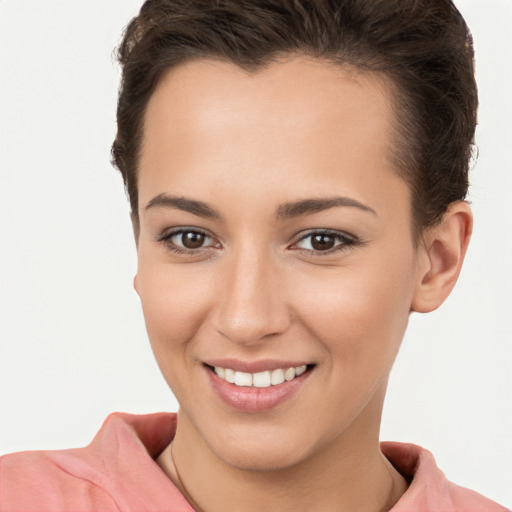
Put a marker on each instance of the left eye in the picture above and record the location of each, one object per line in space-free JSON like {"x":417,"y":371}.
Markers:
{"x":322,"y":242}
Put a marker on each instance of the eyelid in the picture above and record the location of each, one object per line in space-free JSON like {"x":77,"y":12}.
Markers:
{"x":166,"y":236}
{"x":347,"y":240}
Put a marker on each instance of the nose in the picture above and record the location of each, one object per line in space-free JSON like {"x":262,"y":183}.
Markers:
{"x":251,"y":306}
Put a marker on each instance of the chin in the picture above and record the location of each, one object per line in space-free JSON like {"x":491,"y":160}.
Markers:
{"x":262,"y":449}
{"x":259,"y":459}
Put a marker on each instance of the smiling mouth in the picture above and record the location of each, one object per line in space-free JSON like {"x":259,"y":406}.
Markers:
{"x":264,"y":379}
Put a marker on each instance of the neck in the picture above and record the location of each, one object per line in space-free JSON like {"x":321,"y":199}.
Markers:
{"x":349,"y":473}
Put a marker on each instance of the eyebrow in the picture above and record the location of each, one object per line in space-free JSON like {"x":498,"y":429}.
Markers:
{"x":193,"y":206}
{"x":310,"y":206}
{"x":286,"y":210}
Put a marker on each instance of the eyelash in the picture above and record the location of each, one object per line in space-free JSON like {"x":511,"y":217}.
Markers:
{"x":345,"y":241}
{"x":166,"y":239}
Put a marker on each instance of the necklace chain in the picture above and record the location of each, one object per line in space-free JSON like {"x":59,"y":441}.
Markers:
{"x":186,"y":494}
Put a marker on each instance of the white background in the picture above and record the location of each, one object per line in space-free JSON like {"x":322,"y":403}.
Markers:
{"x":73,"y":344}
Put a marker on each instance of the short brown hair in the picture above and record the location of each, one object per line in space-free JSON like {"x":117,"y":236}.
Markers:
{"x":423,"y":46}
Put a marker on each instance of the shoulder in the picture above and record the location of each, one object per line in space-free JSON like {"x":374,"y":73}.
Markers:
{"x":44,"y":480}
{"x":429,"y":489}
{"x":116,"y":471}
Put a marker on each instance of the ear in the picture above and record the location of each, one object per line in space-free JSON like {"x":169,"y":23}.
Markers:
{"x":136,"y":284}
{"x":440,"y":258}
{"x":136,"y":231}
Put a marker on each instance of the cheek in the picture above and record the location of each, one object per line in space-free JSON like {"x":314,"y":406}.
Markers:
{"x":360,"y":312}
{"x":174,"y":305}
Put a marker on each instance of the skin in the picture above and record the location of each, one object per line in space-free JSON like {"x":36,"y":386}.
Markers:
{"x":246,"y":144}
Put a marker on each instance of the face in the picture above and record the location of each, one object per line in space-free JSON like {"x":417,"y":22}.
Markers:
{"x":275,"y":233}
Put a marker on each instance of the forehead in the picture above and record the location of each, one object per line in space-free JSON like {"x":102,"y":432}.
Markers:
{"x":299,"y":121}
{"x":295,"y":92}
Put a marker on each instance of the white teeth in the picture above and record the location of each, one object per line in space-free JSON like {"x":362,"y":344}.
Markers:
{"x":277,"y":377}
{"x":229,"y":375}
{"x":263,"y":379}
{"x":300,"y":370}
{"x":289,"y":374}
{"x":243,"y":379}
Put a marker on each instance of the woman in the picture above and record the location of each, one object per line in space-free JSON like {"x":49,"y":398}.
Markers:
{"x":297,"y":175}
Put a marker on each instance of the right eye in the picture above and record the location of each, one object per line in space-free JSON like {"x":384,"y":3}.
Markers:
{"x":187,"y":240}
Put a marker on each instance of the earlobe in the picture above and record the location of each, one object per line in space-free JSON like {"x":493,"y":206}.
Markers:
{"x":441,"y":256}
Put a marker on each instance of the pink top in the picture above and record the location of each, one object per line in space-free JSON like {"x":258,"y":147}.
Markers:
{"x":117,"y":472}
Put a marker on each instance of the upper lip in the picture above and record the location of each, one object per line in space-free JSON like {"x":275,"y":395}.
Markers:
{"x":255,"y":366}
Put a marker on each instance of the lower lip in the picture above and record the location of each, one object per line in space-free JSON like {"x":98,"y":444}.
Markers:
{"x":251,"y":399}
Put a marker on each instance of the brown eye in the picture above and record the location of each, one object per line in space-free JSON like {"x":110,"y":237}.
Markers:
{"x":187,"y":240}
{"x":192,"y":239}
{"x":326,"y":242}
{"x":322,"y":242}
